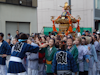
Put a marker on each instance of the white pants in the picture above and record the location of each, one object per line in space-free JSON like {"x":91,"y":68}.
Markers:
{"x":92,"y":71}
{"x":3,"y":70}
{"x":7,"y":60}
{"x":24,"y":73}
{"x":32,"y":72}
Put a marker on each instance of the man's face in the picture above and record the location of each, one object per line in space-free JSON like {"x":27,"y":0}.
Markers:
{"x":77,"y":41}
{"x":83,"y":41}
{"x":14,"y":41}
{"x":29,"y":42}
{"x":69,"y":42}
{"x":1,"y":37}
{"x":8,"y":40}
{"x":17,"y":32}
{"x":51,"y":42}
{"x":87,"y":33}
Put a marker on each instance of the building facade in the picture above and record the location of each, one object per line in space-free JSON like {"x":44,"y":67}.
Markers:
{"x":88,"y":10}
{"x":18,"y":15}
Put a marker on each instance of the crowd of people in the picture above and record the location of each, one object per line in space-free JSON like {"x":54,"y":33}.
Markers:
{"x":53,"y":54}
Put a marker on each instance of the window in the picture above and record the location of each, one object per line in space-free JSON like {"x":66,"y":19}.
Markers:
{"x":97,"y":4}
{"x":2,"y":0}
{"x":29,"y":2}
{"x":15,"y":1}
{"x":9,"y":1}
{"x":20,"y":2}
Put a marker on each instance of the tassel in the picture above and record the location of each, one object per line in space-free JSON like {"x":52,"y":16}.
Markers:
{"x":54,"y":28}
{"x":78,"y":27}
{"x":67,"y":32}
{"x":70,"y":28}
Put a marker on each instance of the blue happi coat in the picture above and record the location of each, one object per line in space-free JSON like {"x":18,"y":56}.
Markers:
{"x":63,"y":60}
{"x":19,"y":51}
{"x":4,"y":49}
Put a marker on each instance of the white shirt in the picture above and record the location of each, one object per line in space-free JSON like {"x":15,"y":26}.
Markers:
{"x":50,"y":49}
{"x":0,"y":43}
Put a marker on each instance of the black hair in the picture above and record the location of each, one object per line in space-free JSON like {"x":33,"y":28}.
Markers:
{"x":84,"y":38}
{"x":17,"y":30}
{"x":1,"y":34}
{"x":23,"y":36}
{"x":49,"y":37}
{"x":87,"y":31}
{"x":53,"y":40}
{"x":44,"y":37}
{"x":63,"y":45}
{"x":99,"y":35}
{"x":49,"y":32}
{"x":95,"y":37}
{"x":70,"y":38}
{"x":57,"y":44}
{"x":9,"y":34}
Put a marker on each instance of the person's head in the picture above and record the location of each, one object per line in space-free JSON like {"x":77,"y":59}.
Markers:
{"x":47,"y":38}
{"x":65,"y":38}
{"x":91,"y":40}
{"x":28,"y":35}
{"x":57,"y":43}
{"x":43,"y":39}
{"x":97,"y":37}
{"x":17,"y":32}
{"x":77,"y":40}
{"x":83,"y":41}
{"x":32,"y":34}
{"x":88,"y":40}
{"x":1,"y":36}
{"x":8,"y":41}
{"x":63,"y":45}
{"x":51,"y":42}
{"x":23,"y":36}
{"x":9,"y":34}
{"x":69,"y":36}
{"x":29,"y":41}
{"x":69,"y":41}
{"x":87,"y":33}
{"x":94,"y":38}
{"x":94,"y":30}
{"x":15,"y":40}
{"x":49,"y":33}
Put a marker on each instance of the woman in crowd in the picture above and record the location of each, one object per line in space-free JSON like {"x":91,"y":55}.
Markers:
{"x":81,"y":52}
{"x":49,"y":54}
{"x":86,"y":57}
{"x":97,"y":47}
{"x":72,"y":48}
{"x":40,"y":41}
{"x":93,"y":56}
{"x":32,"y":60}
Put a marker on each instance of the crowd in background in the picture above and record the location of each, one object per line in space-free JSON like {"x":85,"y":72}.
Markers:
{"x":79,"y":55}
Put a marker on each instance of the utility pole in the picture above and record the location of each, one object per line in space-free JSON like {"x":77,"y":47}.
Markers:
{"x":70,"y":6}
